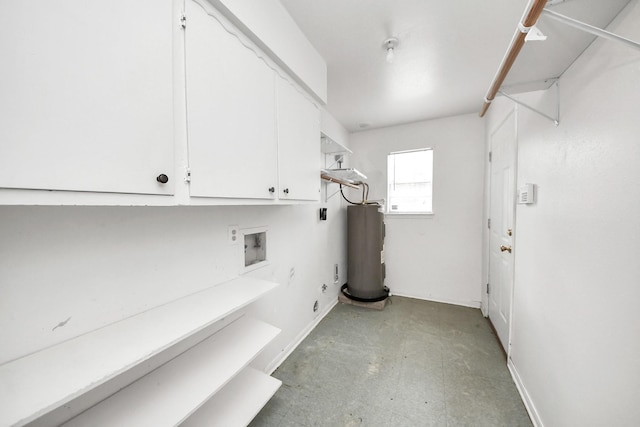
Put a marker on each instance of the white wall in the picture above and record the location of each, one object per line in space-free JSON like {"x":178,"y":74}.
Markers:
{"x":271,"y":27}
{"x":436,"y":257}
{"x":576,"y":324}
{"x":333,"y":129}
{"x":96,"y":265}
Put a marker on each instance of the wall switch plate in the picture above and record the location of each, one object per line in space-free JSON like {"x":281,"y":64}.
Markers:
{"x":233,"y":234}
{"x":526,"y":194}
{"x":323,"y":214}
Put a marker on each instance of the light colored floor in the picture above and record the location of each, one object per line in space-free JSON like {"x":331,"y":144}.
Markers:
{"x":416,"y":363}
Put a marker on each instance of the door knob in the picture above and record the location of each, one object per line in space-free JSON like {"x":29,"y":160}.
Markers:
{"x":505,"y":248}
{"x":162,"y":178}
{"x":272,"y":190}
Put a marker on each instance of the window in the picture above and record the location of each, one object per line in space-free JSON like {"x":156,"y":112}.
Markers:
{"x":409,"y":181}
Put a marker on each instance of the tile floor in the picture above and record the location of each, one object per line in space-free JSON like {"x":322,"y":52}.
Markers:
{"x":416,"y":363}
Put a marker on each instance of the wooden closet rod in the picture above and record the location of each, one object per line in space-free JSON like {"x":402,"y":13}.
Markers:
{"x":514,"y":49}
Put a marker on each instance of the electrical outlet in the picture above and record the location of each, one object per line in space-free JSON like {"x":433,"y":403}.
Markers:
{"x":233,"y":234}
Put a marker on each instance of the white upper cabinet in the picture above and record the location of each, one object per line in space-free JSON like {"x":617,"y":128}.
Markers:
{"x":125,"y":103}
{"x":230,"y":113}
{"x":251,"y":133}
{"x":86,"y":98}
{"x":298,"y":144}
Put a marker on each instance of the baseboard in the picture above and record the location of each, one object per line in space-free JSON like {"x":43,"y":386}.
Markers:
{"x":526,"y":399}
{"x":472,"y":304}
{"x":301,"y":336}
{"x":484,"y":308}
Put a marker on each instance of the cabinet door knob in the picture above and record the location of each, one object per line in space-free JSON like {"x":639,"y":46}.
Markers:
{"x":272,"y":190}
{"x":285,"y":191}
{"x":162,"y":178}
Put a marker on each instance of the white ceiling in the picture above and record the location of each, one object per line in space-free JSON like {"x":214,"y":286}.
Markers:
{"x":447,"y":55}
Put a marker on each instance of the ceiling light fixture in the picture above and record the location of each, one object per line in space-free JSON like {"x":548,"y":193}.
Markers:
{"x":390,"y":44}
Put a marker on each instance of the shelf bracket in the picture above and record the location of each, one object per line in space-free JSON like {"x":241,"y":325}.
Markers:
{"x":589,"y":28}
{"x":555,"y":120}
{"x":326,"y":199}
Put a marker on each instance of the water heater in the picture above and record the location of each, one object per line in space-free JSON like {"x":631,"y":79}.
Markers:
{"x":365,"y":243}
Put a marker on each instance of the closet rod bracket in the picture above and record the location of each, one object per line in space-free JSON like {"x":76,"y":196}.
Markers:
{"x":555,"y":120}
{"x":589,"y":28}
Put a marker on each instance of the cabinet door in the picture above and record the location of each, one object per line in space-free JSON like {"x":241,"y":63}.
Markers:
{"x":231,"y":113}
{"x":86,"y":95}
{"x":298,"y":144}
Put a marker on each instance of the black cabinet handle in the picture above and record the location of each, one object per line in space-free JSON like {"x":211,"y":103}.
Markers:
{"x":272,"y":190}
{"x":162,"y":178}
{"x":285,"y":191}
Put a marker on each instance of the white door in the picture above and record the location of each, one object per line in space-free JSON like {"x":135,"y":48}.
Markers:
{"x":501,"y":251}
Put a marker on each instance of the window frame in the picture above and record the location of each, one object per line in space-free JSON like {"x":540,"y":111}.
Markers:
{"x":407,"y":214}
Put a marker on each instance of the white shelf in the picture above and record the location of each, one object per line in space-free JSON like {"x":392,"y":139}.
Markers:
{"x":238,"y":402}
{"x":41,"y":382}
{"x":350,"y":175}
{"x":329,"y":146}
{"x":170,"y":394}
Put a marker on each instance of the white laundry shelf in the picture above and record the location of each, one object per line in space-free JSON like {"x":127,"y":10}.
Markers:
{"x":39,"y":383}
{"x":227,"y":409}
{"x":348,"y":174}
{"x":170,"y":394}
